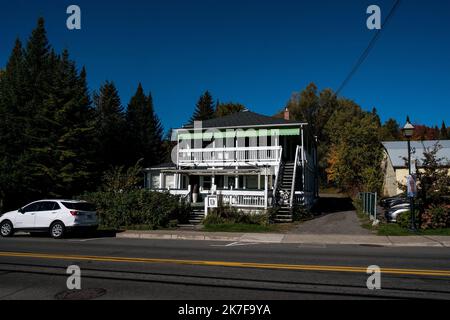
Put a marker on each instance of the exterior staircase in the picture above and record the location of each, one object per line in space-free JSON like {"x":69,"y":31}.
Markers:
{"x":284,"y":214}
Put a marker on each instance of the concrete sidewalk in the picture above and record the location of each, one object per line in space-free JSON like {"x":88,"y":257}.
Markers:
{"x":318,"y":239}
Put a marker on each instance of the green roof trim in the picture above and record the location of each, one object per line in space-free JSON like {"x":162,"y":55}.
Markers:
{"x":208,"y":135}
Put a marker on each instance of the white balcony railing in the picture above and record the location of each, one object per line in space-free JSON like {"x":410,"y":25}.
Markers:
{"x":243,"y":198}
{"x":264,"y":155}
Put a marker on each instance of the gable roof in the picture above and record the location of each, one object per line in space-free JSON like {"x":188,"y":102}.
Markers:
{"x":398,"y":151}
{"x":244,"y":119}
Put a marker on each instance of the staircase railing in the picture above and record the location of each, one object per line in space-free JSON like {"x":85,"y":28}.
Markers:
{"x":276,"y":184}
{"x":294,"y":176}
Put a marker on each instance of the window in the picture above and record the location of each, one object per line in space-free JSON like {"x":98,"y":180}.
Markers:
{"x":154,"y":181}
{"x":32,"y":207}
{"x":219,"y":182}
{"x":207,"y":183}
{"x":252,"y":182}
{"x":231,"y":182}
{"x":81,"y":206}
{"x":169,"y":181}
{"x":48,"y":206}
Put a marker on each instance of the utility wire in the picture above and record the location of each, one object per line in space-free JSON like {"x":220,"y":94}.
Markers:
{"x":366,"y":52}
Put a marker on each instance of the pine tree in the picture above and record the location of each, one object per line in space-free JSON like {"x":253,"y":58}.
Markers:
{"x":204,"y":109}
{"x":11,"y":134}
{"x":144,"y":129}
{"x":110,"y":127}
{"x":66,"y":159}
{"x":224,"y":109}
{"x":390,"y":131}
{"x":444,"y":132}
{"x":156,"y":135}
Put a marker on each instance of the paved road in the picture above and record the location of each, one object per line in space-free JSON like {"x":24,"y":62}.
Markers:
{"x":35,"y":268}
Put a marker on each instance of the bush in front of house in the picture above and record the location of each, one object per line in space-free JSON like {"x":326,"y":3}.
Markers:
{"x":436,"y":217}
{"x":300,"y":213}
{"x":231,"y":215}
{"x":404,"y":219}
{"x":136,"y":208}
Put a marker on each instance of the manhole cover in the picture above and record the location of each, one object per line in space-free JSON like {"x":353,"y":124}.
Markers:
{"x":83,"y":294}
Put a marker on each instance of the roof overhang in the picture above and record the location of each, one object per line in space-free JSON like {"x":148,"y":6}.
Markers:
{"x":215,"y":172}
{"x":218,"y":133}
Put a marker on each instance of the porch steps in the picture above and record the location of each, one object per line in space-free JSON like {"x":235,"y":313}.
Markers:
{"x":284,"y":215}
{"x":196,"y":216}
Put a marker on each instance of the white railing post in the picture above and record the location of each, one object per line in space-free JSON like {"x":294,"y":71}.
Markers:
{"x":294,"y":177}
{"x":266,"y":191}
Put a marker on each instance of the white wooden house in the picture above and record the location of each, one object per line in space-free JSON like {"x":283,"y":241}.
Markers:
{"x":247,"y":160}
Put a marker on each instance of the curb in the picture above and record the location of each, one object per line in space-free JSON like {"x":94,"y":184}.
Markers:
{"x":307,"y":239}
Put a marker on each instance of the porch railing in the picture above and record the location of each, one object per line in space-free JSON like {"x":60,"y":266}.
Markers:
{"x":250,"y":199}
{"x":230,"y":155}
{"x":297,"y":163}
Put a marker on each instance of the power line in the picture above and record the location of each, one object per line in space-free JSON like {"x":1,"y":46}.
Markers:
{"x":366,"y":52}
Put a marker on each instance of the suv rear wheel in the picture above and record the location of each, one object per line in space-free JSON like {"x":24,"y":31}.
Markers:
{"x":57,"y":230}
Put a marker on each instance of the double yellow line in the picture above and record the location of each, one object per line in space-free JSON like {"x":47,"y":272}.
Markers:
{"x":416,"y":272}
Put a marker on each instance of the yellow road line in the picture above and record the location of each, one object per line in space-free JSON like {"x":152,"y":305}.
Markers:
{"x":420,"y":272}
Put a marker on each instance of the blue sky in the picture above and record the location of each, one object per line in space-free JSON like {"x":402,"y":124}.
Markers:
{"x":256,"y":52}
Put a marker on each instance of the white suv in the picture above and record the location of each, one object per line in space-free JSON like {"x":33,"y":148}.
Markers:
{"x":54,"y":216}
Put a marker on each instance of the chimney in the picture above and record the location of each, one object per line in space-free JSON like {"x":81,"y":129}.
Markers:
{"x":287,"y":114}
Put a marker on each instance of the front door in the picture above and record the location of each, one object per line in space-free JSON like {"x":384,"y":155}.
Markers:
{"x":25,"y":220}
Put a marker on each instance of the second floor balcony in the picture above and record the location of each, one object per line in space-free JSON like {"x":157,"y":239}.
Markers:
{"x":239,"y":156}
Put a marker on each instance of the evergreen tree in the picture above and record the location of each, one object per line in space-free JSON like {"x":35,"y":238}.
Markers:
{"x":66,"y":159}
{"x":144,"y":129}
{"x":224,"y":109}
{"x":390,"y":131}
{"x":11,"y":134}
{"x":444,"y":132}
{"x":204,"y":109}
{"x":110,"y":127}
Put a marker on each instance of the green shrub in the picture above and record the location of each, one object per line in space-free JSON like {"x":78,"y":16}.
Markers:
{"x":137,"y":207}
{"x":436,"y":217}
{"x":404,"y":219}
{"x":226,"y":214}
{"x":214,"y":218}
{"x":300,"y":213}
{"x":272,"y":214}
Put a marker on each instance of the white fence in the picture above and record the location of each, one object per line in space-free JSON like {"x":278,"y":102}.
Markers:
{"x":230,"y":155}
{"x":257,"y":200}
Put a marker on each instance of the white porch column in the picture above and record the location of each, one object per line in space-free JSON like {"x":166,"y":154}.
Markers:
{"x":175,"y":182}
{"x":161,"y":180}
{"x":266,"y":190}
{"x":225,"y":182}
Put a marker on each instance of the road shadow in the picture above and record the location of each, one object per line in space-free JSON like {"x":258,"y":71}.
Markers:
{"x":329,"y":204}
{"x":109,"y":233}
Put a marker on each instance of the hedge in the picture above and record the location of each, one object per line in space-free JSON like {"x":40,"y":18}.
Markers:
{"x":137,"y":207}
